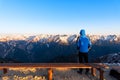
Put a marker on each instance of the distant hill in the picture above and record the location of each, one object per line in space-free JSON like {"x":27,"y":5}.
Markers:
{"x":54,"y":48}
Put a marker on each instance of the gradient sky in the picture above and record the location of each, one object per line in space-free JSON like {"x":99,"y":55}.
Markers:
{"x":60,"y":16}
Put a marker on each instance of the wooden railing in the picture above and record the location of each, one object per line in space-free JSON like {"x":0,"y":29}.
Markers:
{"x":93,"y":66}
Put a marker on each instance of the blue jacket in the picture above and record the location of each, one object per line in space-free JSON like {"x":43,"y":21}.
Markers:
{"x":83,"y":43}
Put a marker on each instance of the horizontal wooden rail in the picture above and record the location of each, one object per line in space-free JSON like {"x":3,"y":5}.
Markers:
{"x":53,"y":65}
{"x":44,"y":65}
{"x":50,"y":66}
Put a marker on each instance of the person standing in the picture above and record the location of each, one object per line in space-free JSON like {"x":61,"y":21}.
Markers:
{"x":83,"y":45}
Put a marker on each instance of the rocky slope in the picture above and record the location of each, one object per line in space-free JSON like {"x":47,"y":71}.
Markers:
{"x":110,"y":58}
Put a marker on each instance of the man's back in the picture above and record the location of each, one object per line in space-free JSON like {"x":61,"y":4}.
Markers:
{"x":83,"y":44}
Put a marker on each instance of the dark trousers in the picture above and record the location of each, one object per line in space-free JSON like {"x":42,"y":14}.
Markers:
{"x":83,"y":58}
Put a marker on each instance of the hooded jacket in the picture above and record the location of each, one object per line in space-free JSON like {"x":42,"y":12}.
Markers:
{"x":83,"y":43}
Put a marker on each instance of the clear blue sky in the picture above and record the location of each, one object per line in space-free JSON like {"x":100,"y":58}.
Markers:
{"x":60,"y":16}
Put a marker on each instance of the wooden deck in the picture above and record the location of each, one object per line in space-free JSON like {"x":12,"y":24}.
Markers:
{"x":93,"y":66}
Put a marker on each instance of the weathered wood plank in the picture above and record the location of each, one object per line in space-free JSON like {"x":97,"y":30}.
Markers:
{"x":98,"y":65}
{"x":53,"y":65}
{"x":44,"y":65}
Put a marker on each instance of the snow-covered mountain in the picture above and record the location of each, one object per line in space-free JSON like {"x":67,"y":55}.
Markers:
{"x":52,"y":48}
{"x":39,"y":38}
{"x":110,"y":58}
{"x":56,"y":38}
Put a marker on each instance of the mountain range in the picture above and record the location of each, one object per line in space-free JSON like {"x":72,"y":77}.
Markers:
{"x":53,"y":48}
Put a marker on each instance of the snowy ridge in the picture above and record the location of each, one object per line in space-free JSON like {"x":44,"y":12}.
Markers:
{"x":13,"y":39}
{"x":44,"y":38}
{"x":110,"y":38}
{"x":40,"y":38}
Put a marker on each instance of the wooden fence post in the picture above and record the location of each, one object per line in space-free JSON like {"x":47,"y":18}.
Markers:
{"x":4,"y":70}
{"x":93,"y":71}
{"x":50,"y":74}
{"x":101,"y":74}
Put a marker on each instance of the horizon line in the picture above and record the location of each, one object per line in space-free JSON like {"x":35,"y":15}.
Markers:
{"x":51,"y":34}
